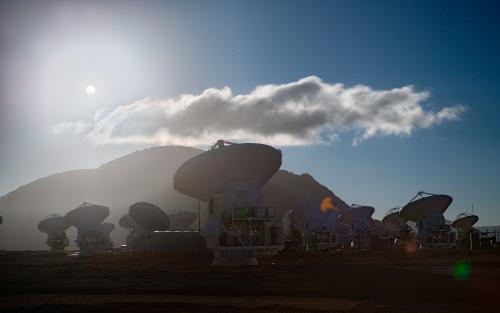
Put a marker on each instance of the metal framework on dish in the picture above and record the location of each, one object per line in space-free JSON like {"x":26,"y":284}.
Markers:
{"x":230,"y":178}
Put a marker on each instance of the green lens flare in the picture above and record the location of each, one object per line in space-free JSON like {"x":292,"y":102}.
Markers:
{"x":461,"y":270}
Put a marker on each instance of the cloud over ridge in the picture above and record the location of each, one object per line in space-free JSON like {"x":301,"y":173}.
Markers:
{"x":307,"y":111}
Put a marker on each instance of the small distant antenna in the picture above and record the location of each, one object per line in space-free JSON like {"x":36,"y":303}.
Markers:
{"x":472,"y":208}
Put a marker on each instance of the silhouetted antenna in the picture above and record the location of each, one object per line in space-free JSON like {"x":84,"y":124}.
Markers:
{"x":221,"y":144}
{"x":230,"y":178}
{"x":87,"y":218}
{"x":149,"y":216}
{"x":421,"y":195}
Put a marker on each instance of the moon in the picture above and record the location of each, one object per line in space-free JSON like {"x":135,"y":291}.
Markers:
{"x":90,"y":89}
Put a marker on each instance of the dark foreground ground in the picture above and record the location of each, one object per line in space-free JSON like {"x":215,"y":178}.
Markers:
{"x":347,"y":281}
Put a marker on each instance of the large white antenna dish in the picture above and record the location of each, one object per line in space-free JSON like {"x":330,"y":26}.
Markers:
{"x":53,"y":224}
{"x":87,"y":219}
{"x":181,"y":220}
{"x":107,"y":227}
{"x":426,"y":210}
{"x":230,"y":178}
{"x":424,"y":204}
{"x":149,"y":216}
{"x":55,"y":227}
{"x":393,"y":217}
{"x":224,"y":165}
{"x":126,"y":222}
{"x":87,"y":214}
{"x":464,"y":221}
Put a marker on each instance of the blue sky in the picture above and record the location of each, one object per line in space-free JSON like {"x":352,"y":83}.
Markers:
{"x":49,"y":52}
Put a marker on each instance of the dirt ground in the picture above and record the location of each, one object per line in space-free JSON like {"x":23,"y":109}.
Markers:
{"x":345,"y":281}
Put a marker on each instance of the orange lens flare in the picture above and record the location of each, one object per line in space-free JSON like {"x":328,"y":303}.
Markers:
{"x":327,"y":205}
{"x":410,"y":247}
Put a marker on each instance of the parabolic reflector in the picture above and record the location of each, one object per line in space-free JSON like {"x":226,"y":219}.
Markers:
{"x":107,"y":227}
{"x":126,"y":222}
{"x":464,"y":221}
{"x":53,"y":224}
{"x":87,"y":214}
{"x":416,"y":210}
{"x":208,"y":172}
{"x":356,"y":213}
{"x":181,"y":220}
{"x":149,"y":216}
{"x":393,"y":217}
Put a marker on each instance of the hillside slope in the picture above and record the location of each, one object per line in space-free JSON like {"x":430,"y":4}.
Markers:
{"x":144,"y":175}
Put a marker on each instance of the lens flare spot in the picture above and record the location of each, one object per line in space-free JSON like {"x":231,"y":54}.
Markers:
{"x":410,"y":247}
{"x":327,"y":205}
{"x":461,"y":270}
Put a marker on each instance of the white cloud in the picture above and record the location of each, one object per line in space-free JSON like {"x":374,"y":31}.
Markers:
{"x":77,"y":127}
{"x":307,"y":111}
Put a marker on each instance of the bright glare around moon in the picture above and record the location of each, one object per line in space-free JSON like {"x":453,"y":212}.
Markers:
{"x":90,"y":89}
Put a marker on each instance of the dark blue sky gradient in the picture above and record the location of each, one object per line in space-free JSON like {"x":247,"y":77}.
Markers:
{"x":450,"y":48}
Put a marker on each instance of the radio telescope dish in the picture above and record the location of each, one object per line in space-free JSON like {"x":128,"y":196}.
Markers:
{"x":208,"y":172}
{"x":126,"y":222}
{"x":393,"y":217}
{"x":149,"y":216}
{"x":432,"y":204}
{"x":107,"y":227}
{"x":53,"y":224}
{"x":464,"y":221}
{"x":55,"y":227}
{"x":181,"y":220}
{"x":87,"y":214}
{"x":356,"y":213}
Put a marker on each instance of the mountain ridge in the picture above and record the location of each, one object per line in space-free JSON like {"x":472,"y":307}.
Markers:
{"x":143,"y":175}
